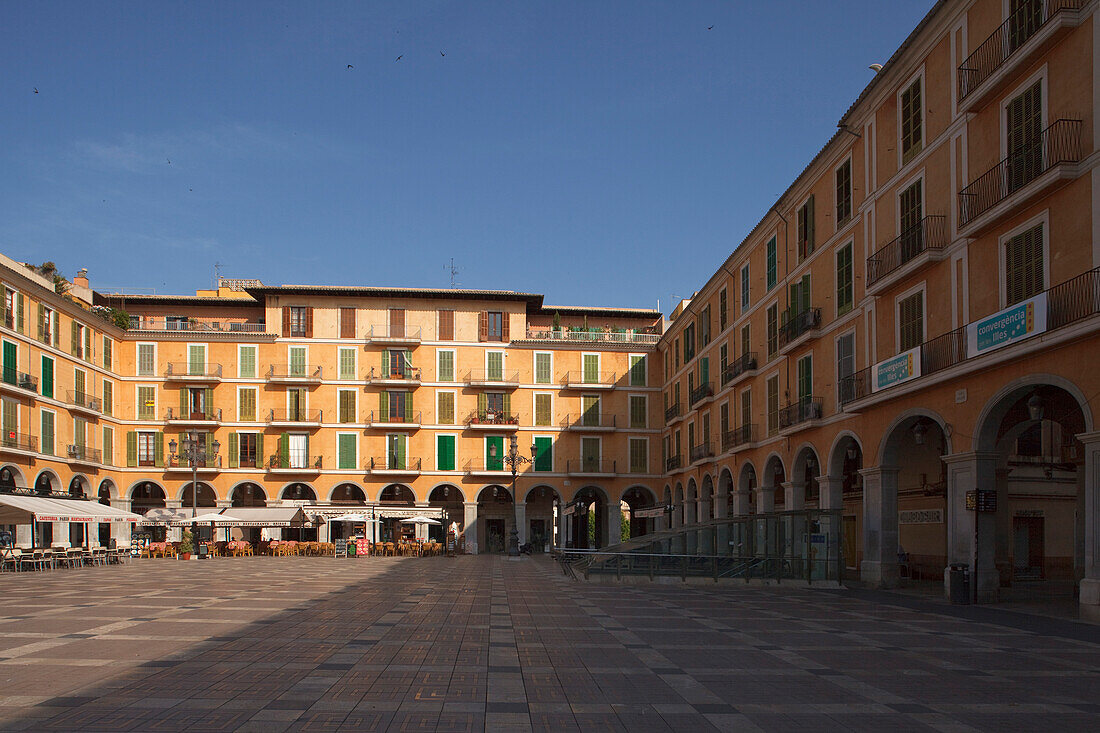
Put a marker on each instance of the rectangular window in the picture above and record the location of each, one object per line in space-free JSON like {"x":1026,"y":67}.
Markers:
{"x":48,"y":331}
{"x":746,"y":339}
{"x":772,"y":264}
{"x":494,"y":362}
{"x":47,"y":377}
{"x":345,"y":405}
{"x":147,"y":449}
{"x":845,"y":366}
{"x":108,"y":353}
{"x":542,"y":368}
{"x":591,"y":368}
{"x":676,"y":352}
{"x":196,"y":359}
{"x":638,"y":411}
{"x":590,"y":454}
{"x":108,"y":397}
{"x":590,"y":410}
{"x":80,"y":432}
{"x":395,"y":452}
{"x":445,"y":408}
{"x":108,"y":446}
{"x":296,"y":404}
{"x":1024,"y":275}
{"x":246,"y":404}
{"x":911,"y":322}
{"x":773,"y":406}
{"x":723,"y":310}
{"x":47,"y":442}
{"x":494,"y":453}
{"x":397,"y":322}
{"x":12,"y":303}
{"x":912,"y":211}
{"x":1023,"y":134}
{"x":399,"y":406}
{"x":723,"y":359}
{"x":544,"y":454}
{"x":147,"y":403}
{"x":346,"y":363}
{"x":843,"y":193}
{"x":805,"y":229}
{"x":300,"y":321}
{"x":146,"y":361}
{"x":296,"y":357}
{"x":346,"y":445}
{"x":805,"y":378}
{"x":637,"y":370}
{"x":912,"y":134}
{"x":799,"y":300}
{"x":445,"y":452}
{"x":773,"y":330}
{"x":246,"y":362}
{"x":80,"y":382}
{"x":724,"y":418}
{"x":543,"y":402}
{"x":746,"y":407}
{"x":445,"y":372}
{"x":496,"y":326}
{"x":639,"y":455}
{"x":704,"y":327}
{"x":744,"y":288}
{"x":446,"y":325}
{"x":689,"y":343}
{"x":845,"y":284}
{"x":347,"y":323}
{"x":248,"y":450}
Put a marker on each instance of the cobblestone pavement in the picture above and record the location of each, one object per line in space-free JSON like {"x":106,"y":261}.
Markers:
{"x":475,"y":643}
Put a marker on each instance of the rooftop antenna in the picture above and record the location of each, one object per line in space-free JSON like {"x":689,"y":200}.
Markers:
{"x":217,"y":274}
{"x":453,"y":270}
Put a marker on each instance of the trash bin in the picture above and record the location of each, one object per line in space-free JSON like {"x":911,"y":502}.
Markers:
{"x":959,"y":583}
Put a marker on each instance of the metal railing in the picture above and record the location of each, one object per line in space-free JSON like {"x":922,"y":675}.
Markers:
{"x":384,"y":331}
{"x":484,"y":466}
{"x":407,"y":417}
{"x":214,"y":415}
{"x":1003,"y":42}
{"x":741,"y":435}
{"x":489,"y":417}
{"x":795,"y":325}
{"x":498,"y":376}
{"x":295,"y":463}
{"x":186,"y":369}
{"x":744,"y":363}
{"x":586,"y":377}
{"x":588,"y":420}
{"x":146,"y":323}
{"x":302,"y":416}
{"x":304,"y":372}
{"x":673,"y":463}
{"x":928,"y":233}
{"x":85,"y":400}
{"x":85,"y":454}
{"x":18,"y":441}
{"x":807,"y":408}
{"x":1067,"y":303}
{"x":173,"y":460}
{"x":1059,"y":143}
{"x":701,"y":451}
{"x":704,"y":390}
{"x":673,"y":411}
{"x":407,"y":373}
{"x":394,"y":462}
{"x":600,"y":336}
{"x":590,"y":465}
{"x":20,"y":379}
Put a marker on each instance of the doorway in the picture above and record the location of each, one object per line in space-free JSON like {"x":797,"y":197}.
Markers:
{"x":494,"y":535}
{"x":1027,"y":541}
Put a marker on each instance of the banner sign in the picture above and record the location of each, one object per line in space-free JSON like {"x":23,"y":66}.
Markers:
{"x":921,"y":516}
{"x":658,"y":511}
{"x":1013,"y":324}
{"x":896,"y":369}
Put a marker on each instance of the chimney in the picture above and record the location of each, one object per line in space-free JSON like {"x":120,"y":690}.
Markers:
{"x":81,"y":279}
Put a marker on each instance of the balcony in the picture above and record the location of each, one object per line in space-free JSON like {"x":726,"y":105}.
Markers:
{"x":589,"y":422}
{"x":84,"y":403}
{"x":407,"y":376}
{"x":1067,"y":303}
{"x":702,"y":393}
{"x":84,"y":454}
{"x":394,"y":465}
{"x":914,"y":248}
{"x":18,"y":382}
{"x":1023,"y":37}
{"x":392,"y":334}
{"x":798,"y":328}
{"x":493,"y":378}
{"x":210,"y":417}
{"x":672,"y":412}
{"x":673,"y":463}
{"x":295,"y":374}
{"x":588,"y":380}
{"x":13,"y":442}
{"x":1022,"y":176}
{"x":393,"y":421}
{"x":294,"y":418}
{"x":801,"y":414}
{"x":743,"y":366}
{"x":490,"y":420}
{"x":740,"y":437}
{"x":592,"y":336}
{"x":192,"y":325}
{"x":587,"y":466}
{"x":293,"y":464}
{"x":182,"y":371}
{"x":178,"y":464}
{"x":702,"y":453}
{"x":489,"y":468}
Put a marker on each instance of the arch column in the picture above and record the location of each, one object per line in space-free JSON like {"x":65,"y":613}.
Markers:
{"x":742,"y":502}
{"x":612,"y":523}
{"x":122,"y":531}
{"x":880,"y":527}
{"x":972,"y":536}
{"x":691,"y":516}
{"x":1090,"y":583}
{"x":521,"y":520}
{"x":794,"y":497}
{"x":469,"y":526}
{"x":832,"y":496}
{"x":765,"y":500}
{"x":173,"y":534}
{"x":722,"y":529}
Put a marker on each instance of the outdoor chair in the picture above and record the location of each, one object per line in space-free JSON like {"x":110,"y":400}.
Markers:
{"x":77,"y":556}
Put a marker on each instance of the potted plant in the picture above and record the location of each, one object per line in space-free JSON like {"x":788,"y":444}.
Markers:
{"x":185,"y":546}
{"x":557,"y":324}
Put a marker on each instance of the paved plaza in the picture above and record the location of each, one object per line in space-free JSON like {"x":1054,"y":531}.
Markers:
{"x":488,"y":643}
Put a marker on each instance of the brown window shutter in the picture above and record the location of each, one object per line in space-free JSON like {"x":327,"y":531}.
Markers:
{"x":347,"y":323}
{"x":483,"y":326}
{"x":309,"y":322}
{"x":504,"y":326}
{"x":446,"y":325}
{"x":286,"y":320}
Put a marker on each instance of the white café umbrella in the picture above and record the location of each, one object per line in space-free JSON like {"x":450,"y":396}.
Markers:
{"x":209,"y":518}
{"x":420,"y":519}
{"x":348,"y":518}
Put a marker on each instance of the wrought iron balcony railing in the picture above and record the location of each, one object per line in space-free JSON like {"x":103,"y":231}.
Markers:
{"x":84,"y":400}
{"x":536,"y":333}
{"x":807,"y":408}
{"x":588,"y":377}
{"x":147,"y":323}
{"x":1059,"y":143}
{"x":672,"y":463}
{"x":183,"y":369}
{"x":291,"y":416}
{"x":393,"y":332}
{"x":18,"y":441}
{"x":177,"y":462}
{"x":406,"y":373}
{"x":85,"y":454}
{"x":927,"y":234}
{"x":741,"y":435}
{"x":214,"y":415}
{"x":491,"y":376}
{"x":744,"y":363}
{"x":20,"y":379}
{"x":291,"y":462}
{"x":701,"y":451}
{"x":672,"y":412}
{"x":590,"y":419}
{"x":394,"y":462}
{"x":704,"y":390}
{"x":294,"y":371}
{"x":797,"y":324}
{"x":407,"y":417}
{"x":489,"y":417}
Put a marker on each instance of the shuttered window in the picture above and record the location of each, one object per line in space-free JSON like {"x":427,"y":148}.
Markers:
{"x":744,"y":288}
{"x":445,"y":452}
{"x":912,"y":134}
{"x":47,"y":442}
{"x":146,"y":360}
{"x":805,"y":229}
{"x":637,"y":370}
{"x":1024,"y":265}
{"x":591,"y":363}
{"x":843,"y":193}
{"x":543,"y":409}
{"x":346,"y":363}
{"x":723,"y":360}
{"x":773,"y":330}
{"x":297,"y":361}
{"x":108,"y":445}
{"x":845,"y":365}
{"x":47,"y":377}
{"x":346,"y":405}
{"x":590,"y":454}
{"x":446,"y":325}
{"x":639,"y":455}
{"x":723,"y":310}
{"x":773,"y":406}
{"x":805,"y":377}
{"x":911,"y":207}
{"x":590,"y":410}
{"x":542,"y":368}
{"x":746,"y":340}
{"x":746,"y":407}
{"x":494,"y":362}
{"x":147,"y":404}
{"x":446,"y":371}
{"x":845,"y":287}
{"x":246,"y":362}
{"x":637,"y":411}
{"x":246,"y":406}
{"x":347,"y":323}
{"x":108,"y":397}
{"x":108,"y":352}
{"x":772,"y":264}
{"x":445,"y":408}
{"x":704,"y":327}
{"x":911,"y":322}
{"x":196,"y":359}
{"x":345,"y":451}
{"x":724,"y":418}
{"x":80,"y":432}
{"x":1023,"y":133}
{"x":544,"y":454}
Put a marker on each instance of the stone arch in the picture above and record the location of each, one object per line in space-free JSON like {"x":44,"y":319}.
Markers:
{"x":347,"y":492}
{"x":248,"y":494}
{"x":11,"y":477}
{"x":838,"y":451}
{"x":79,"y":485}
{"x":805,"y":490}
{"x":145,"y":495}
{"x":771,"y":483}
{"x":453,"y":488}
{"x":542,"y":505}
{"x":593,"y":499}
{"x":887,"y":450}
{"x":638,"y":497}
{"x":298,"y":491}
{"x":706,"y":499}
{"x":108,"y":490}
{"x":723,"y":502}
{"x":207,"y":497}
{"x":47,"y":480}
{"x":998,"y":406}
{"x":397,"y":493}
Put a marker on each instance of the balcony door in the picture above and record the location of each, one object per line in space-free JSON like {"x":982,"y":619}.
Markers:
{"x":1023,"y":135}
{"x":9,"y":362}
{"x":911,"y":211}
{"x":196,"y":404}
{"x":298,"y":450}
{"x":494,"y":453}
{"x":397,"y":323}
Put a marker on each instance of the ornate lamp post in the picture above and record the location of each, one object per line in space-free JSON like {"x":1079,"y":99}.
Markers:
{"x":194,"y":450}
{"x":514,"y":461}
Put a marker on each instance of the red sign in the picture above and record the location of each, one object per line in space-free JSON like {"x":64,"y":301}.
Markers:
{"x":362,"y":547}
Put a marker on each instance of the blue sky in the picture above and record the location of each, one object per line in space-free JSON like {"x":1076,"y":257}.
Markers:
{"x":600,"y":153}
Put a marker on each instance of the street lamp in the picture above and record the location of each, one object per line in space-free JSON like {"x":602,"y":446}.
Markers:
{"x":514,"y":460}
{"x":194,"y":450}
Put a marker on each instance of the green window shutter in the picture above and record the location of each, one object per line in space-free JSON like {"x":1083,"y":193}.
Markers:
{"x":108,"y":398}
{"x":494,"y":464}
{"x":482,"y":404}
{"x":297,"y":361}
{"x":47,"y":433}
{"x":87,"y":344}
{"x":704,"y":370}
{"x":805,"y":378}
{"x":506,"y":405}
{"x":592,"y":368}
{"x":108,"y":445}
{"x":399,"y":449}
{"x":108,"y":352}
{"x":259,"y":449}
{"x":131,"y":448}
{"x":185,"y":403}
{"x":80,"y":385}
{"x":284,"y":450}
{"x":408,"y":407}
{"x":9,"y":362}
{"x":208,"y":398}
{"x":383,"y":406}
{"x":234,"y":451}
{"x":196,"y":359}
{"x":810,"y":226}
{"x":41,"y":322}
{"x":445,"y":452}
{"x":75,"y":339}
{"x":542,"y":368}
{"x":544,"y":454}
{"x":496,"y":366}
{"x":385,"y":363}
{"x":542,"y":409}
{"x":158,"y":450}
{"x":772,"y":263}
{"x":345,"y":451}
{"x":446,"y":366}
{"x":637,"y":368}
{"x":445,"y":408}
{"x":637,"y":411}
{"x":209,"y":448}
{"x":47,"y":376}
{"x":19,"y":312}
{"x":248,"y":362}
{"x":590,"y":410}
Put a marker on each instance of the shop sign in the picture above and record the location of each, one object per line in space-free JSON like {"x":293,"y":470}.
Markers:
{"x":568,"y":509}
{"x":897,"y":369}
{"x":1035,"y":513}
{"x":981,"y":500}
{"x":406,"y":513}
{"x":1013,"y":324}
{"x":652,"y":513}
{"x":921,"y":516}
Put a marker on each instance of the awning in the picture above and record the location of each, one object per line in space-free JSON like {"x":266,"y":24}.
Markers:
{"x":281,"y":516}
{"x":161,"y":517}
{"x":20,"y":509}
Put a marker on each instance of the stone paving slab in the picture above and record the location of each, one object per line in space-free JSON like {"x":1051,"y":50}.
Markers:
{"x":490,"y":643}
